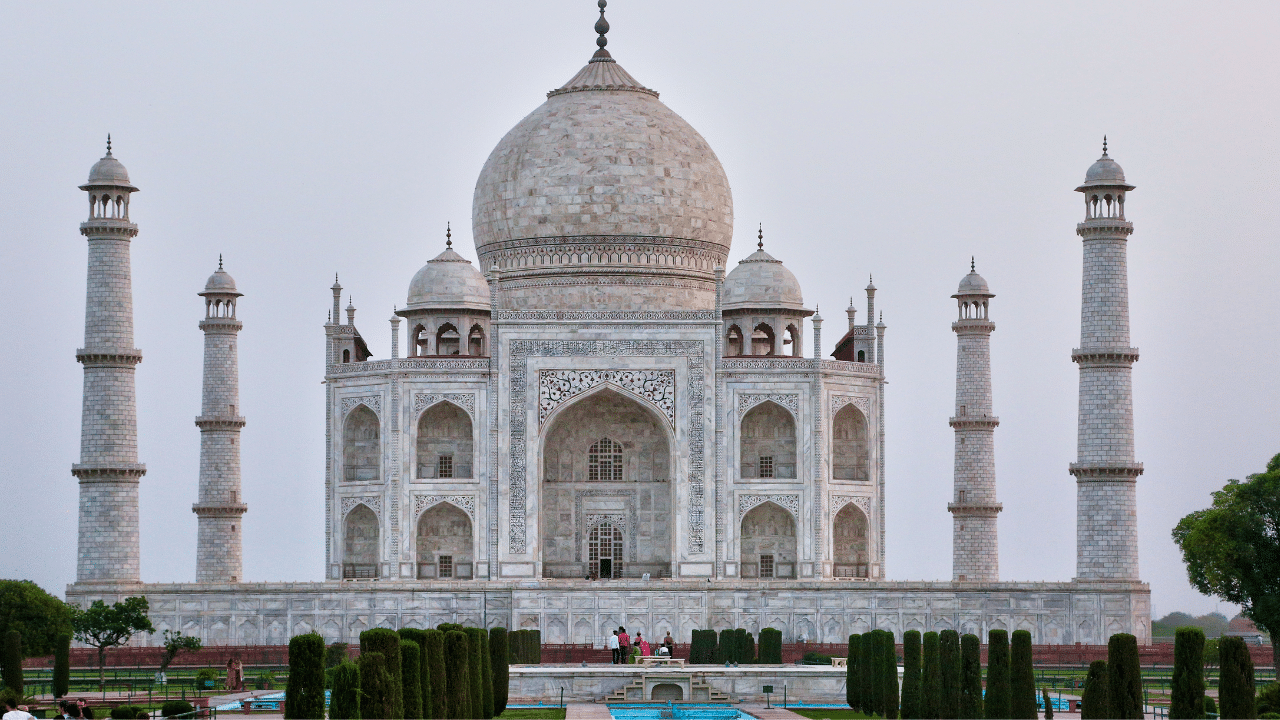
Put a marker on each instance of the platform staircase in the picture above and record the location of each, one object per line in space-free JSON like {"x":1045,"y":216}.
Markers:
{"x":699,"y":689}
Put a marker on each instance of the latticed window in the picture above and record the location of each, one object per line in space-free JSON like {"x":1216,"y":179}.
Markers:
{"x":604,"y":461}
{"x":604,"y":542}
{"x":766,"y":466}
{"x":444,"y":466}
{"x":766,"y":566}
{"x":445,"y":566}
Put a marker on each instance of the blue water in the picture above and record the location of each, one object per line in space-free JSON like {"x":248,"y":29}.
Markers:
{"x":681,"y":711}
{"x":274,"y":701}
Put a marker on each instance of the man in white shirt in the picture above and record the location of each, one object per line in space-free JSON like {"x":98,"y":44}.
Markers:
{"x":612,"y":643}
{"x":13,"y":713}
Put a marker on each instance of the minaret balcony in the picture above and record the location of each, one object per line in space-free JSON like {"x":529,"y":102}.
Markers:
{"x":219,"y":509}
{"x":975,"y":509}
{"x":1105,"y":357}
{"x":108,"y":472}
{"x":973,"y":327}
{"x":220,"y":422}
{"x":969,"y":422}
{"x":1104,"y":227}
{"x":109,"y":357}
{"x":223,"y":324}
{"x":1104,"y":472}
{"x":108,"y":226}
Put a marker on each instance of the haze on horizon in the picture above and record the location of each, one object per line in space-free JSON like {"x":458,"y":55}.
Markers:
{"x":300,"y":139}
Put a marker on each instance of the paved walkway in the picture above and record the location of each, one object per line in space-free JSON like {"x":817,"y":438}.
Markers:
{"x":758,"y":710}
{"x":587,"y":711}
{"x":216,"y":700}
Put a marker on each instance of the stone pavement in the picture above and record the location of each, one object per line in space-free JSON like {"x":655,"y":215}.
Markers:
{"x":758,"y":710}
{"x":587,"y":711}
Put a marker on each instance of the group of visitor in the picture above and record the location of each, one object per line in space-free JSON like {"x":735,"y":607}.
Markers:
{"x":619,"y":642}
{"x":66,"y":709}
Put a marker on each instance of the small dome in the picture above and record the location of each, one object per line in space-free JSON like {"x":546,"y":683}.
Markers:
{"x":974,"y":284}
{"x":1105,"y":172}
{"x":108,"y":171}
{"x":448,"y":281}
{"x":220,"y":282}
{"x":761,"y":281}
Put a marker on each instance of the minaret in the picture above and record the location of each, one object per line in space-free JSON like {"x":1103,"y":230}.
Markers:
{"x":1106,"y":474}
{"x":975,"y":554}
{"x":218,"y":557}
{"x":108,"y":470}
{"x":871,"y":316}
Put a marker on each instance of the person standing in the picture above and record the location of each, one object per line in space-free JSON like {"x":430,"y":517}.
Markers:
{"x":612,"y":643}
{"x":624,"y":644}
{"x":644,"y":644}
{"x":670,"y":644}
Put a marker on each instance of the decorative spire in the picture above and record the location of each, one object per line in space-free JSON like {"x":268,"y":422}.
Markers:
{"x":220,"y":263}
{"x":602,"y":26}
{"x":1104,"y":146}
{"x":448,"y":236}
{"x":972,"y":265}
{"x":108,"y":144}
{"x":759,"y":235}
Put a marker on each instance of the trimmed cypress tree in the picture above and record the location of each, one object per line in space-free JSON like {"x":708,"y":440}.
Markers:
{"x":434,"y":643}
{"x":476,"y":666}
{"x":740,"y":646}
{"x":304,"y":693}
{"x":13,"y":662}
{"x":386,"y":642}
{"x":486,"y":674}
{"x":344,"y":702}
{"x":869,"y":667}
{"x":1236,"y":693}
{"x":411,"y":678}
{"x":375,"y":686}
{"x":949,"y":654}
{"x":726,"y":652}
{"x":771,"y":646}
{"x":1048,"y":706}
{"x":931,"y":677}
{"x":997,"y":703}
{"x":61,"y":665}
{"x":1124,"y":676}
{"x":889,"y":669}
{"x":1186,"y":701}
{"x":499,"y":658}
{"x":1096,"y":699}
{"x":852,"y":680}
{"x":457,"y":657}
{"x":1022,"y":677}
{"x":970,"y":677}
{"x":424,"y":673}
{"x":750,"y":649}
{"x":912,"y":705}
{"x":535,"y":649}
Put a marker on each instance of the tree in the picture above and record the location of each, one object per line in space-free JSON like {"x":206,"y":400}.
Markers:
{"x":1096,"y":699}
{"x":375,"y":685}
{"x":1187,"y":699}
{"x":970,"y":676}
{"x":434,"y":640}
{"x":873,"y":689}
{"x":62,"y":665}
{"x":13,"y":662}
{"x":344,"y":703}
{"x":1048,"y":705}
{"x":37,"y":615}
{"x":103,"y":626}
{"x":422,"y":679}
{"x":1235,"y":680}
{"x":457,"y":655}
{"x":931,"y":677}
{"x":770,"y":646}
{"x":1125,"y":675}
{"x":726,"y":651}
{"x":498,"y":658}
{"x":476,"y":664}
{"x":912,"y":702}
{"x":176,"y":642}
{"x":740,"y":647}
{"x":950,"y":656}
{"x":335,"y":654}
{"x":386,"y":643}
{"x":304,"y":694}
{"x":411,"y":678}
{"x":750,"y":648}
{"x":998,"y":702}
{"x":1232,"y":549}
{"x":889,"y":670}
{"x":852,"y":696}
{"x":1022,"y":677}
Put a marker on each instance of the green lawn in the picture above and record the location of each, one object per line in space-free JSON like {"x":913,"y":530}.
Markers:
{"x":532,"y":714}
{"x":833,"y":713}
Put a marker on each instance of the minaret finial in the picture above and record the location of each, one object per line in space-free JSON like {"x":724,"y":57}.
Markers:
{"x":760,"y":237}
{"x":448,"y":235}
{"x":108,"y":144}
{"x":972,"y":265}
{"x":220,"y":262}
{"x":1104,"y":146}
{"x":602,"y":26}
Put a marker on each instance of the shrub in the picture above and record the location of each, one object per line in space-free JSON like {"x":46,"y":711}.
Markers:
{"x":1235,"y":679}
{"x":172,"y":708}
{"x":726,"y":652}
{"x":970,"y":676}
{"x":740,"y":646}
{"x":869,"y":667}
{"x":949,"y":655}
{"x":931,"y":678}
{"x":771,"y":646}
{"x":13,"y":661}
{"x":335,"y":654}
{"x":889,"y":670}
{"x":457,"y":653}
{"x":304,"y":694}
{"x":997,"y":703}
{"x":127,"y":712}
{"x":749,"y":648}
{"x":386,"y":642}
{"x":1124,"y":676}
{"x":911,"y":700}
{"x":411,"y":678}
{"x":498,"y":659}
{"x":535,"y":640}
{"x":1210,"y":706}
{"x":344,"y":703}
{"x":61,"y":665}
{"x":1022,"y":677}
{"x":1096,"y":699}
{"x":375,"y":686}
{"x":1048,"y":706}
{"x":815,"y":658}
{"x":698,"y":647}
{"x":206,"y":678}
{"x":852,"y":688}
{"x":434,"y":640}
{"x":475,"y":661}
{"x":1187,"y":698}
{"x":1269,"y":699}
{"x":423,"y":680}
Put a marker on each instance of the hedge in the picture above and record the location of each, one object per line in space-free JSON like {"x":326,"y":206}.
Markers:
{"x":1186,"y":701}
{"x":1124,"y":675}
{"x":702,"y":648}
{"x":434,"y":643}
{"x":304,"y":693}
{"x":1022,"y":677}
{"x":61,"y":665}
{"x":13,"y":661}
{"x":949,"y":655}
{"x":1095,"y":701}
{"x":726,"y":649}
{"x":852,"y":687}
{"x":1236,"y":694}
{"x":457,"y":657}
{"x":740,"y":647}
{"x":171,"y":708}
{"x":411,"y":678}
{"x":997,"y":703}
{"x":867,"y":668}
{"x":931,"y":677}
{"x":500,"y":661}
{"x":970,"y":676}
{"x":771,"y":646}
{"x":912,"y":703}
{"x":889,"y":675}
{"x":419,"y":637}
{"x":749,"y":648}
{"x":387,"y":643}
{"x":344,"y":703}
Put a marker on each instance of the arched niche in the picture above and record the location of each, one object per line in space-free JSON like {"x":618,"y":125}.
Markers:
{"x":850,"y":451}
{"x":768,"y":442}
{"x":444,"y":543}
{"x":768,"y":542}
{"x":763,"y":340}
{"x":626,"y":482}
{"x":445,"y":447}
{"x":850,"y":543}
{"x":361,"y":450}
{"x":733,"y":342}
{"x":360,"y":543}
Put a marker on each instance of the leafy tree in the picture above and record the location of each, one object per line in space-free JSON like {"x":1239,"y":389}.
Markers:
{"x":1096,"y":700}
{"x":998,"y":703}
{"x":1125,"y":676}
{"x":434,"y":640}
{"x":970,"y":676}
{"x":411,"y":678}
{"x":1235,"y":680}
{"x":1187,"y":699}
{"x":62,"y":665}
{"x":457,"y":656}
{"x":1232,"y":549}
{"x":1022,"y":677}
{"x":950,"y":657}
{"x":889,"y":670}
{"x":103,"y":626}
{"x":931,"y":677}
{"x":304,"y":694}
{"x":852,"y":696}
{"x":335,"y":654}
{"x":911,"y":700}
{"x":176,"y":642}
{"x":37,"y":615}
{"x":375,"y":686}
{"x":498,"y":659}
{"x":13,"y":661}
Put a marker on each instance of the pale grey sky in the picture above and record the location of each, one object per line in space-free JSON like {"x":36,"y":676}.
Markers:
{"x":300,"y":139}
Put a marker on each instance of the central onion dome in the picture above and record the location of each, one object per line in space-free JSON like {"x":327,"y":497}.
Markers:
{"x":603,"y":198}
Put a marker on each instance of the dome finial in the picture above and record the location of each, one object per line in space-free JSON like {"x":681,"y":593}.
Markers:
{"x":220,"y":263}
{"x":760,"y":237}
{"x":972,"y":265}
{"x":602,"y":26}
{"x":108,"y":144}
{"x":448,"y":235}
{"x":1104,"y":146}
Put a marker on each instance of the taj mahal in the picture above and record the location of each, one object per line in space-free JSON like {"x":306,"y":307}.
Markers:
{"x":601,"y":424}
